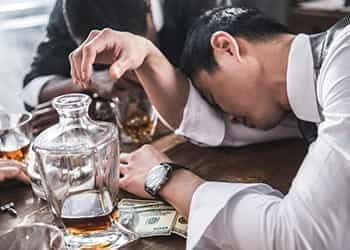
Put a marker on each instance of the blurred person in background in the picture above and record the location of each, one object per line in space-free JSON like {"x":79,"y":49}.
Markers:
{"x":164,"y":22}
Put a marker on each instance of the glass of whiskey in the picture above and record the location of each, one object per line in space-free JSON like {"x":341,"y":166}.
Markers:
{"x":78,"y":161}
{"x":15,"y":144}
{"x":136,"y":117}
{"x":15,"y":136}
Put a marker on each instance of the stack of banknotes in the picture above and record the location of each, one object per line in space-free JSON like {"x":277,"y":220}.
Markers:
{"x":150,"y":218}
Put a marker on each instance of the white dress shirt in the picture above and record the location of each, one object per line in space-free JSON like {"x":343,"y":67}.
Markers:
{"x":315,"y":214}
{"x":218,"y":130}
{"x":31,"y":92}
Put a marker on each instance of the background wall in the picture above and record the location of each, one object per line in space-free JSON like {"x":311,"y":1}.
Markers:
{"x":22,"y":25}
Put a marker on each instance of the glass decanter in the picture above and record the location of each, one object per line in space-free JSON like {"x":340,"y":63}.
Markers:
{"x":78,"y":160}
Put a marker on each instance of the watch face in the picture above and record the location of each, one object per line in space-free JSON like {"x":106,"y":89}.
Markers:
{"x":156,"y":177}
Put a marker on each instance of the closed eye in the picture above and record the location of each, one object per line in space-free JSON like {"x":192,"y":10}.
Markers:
{"x":214,"y":104}
{"x":210,"y":99}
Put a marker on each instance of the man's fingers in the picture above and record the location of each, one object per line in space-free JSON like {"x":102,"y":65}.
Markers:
{"x":74,"y":59}
{"x":99,"y":43}
{"x":10,"y":169}
{"x":87,"y":61}
{"x":123,"y":169}
{"x":124,"y":177}
{"x":73,"y":70}
{"x":23,"y":177}
{"x":118,"y":68}
{"x":124,"y":158}
{"x":13,"y":172}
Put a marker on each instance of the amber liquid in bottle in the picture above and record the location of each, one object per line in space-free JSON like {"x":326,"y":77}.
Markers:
{"x":82,"y":226}
{"x":94,"y":221}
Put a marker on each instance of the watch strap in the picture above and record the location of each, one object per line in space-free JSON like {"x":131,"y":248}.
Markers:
{"x":171,"y":168}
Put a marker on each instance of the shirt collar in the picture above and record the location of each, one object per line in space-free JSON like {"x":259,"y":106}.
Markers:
{"x":301,"y":85}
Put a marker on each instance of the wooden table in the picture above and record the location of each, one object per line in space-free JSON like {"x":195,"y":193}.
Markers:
{"x":274,"y":163}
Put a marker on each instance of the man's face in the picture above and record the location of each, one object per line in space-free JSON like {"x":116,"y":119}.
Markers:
{"x":237,"y":89}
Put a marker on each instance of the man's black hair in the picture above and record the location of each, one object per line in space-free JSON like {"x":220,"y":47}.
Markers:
{"x":82,"y":16}
{"x":250,"y":24}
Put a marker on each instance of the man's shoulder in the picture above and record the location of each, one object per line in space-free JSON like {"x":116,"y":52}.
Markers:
{"x":344,"y":35}
{"x":340,"y":42}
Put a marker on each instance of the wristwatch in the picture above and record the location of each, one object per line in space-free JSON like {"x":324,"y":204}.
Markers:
{"x":158,"y":176}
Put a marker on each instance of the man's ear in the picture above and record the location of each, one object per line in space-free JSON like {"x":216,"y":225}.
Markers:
{"x":223,"y":42}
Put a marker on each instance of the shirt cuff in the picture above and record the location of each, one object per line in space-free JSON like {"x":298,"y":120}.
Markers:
{"x":158,"y":14}
{"x":31,"y":92}
{"x":207,"y":204}
{"x":200,"y":122}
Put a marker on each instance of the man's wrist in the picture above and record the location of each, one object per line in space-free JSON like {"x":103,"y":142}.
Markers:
{"x":152,"y":53}
{"x":180,"y":188}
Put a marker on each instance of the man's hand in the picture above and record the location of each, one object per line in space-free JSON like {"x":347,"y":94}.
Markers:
{"x":134,"y":168}
{"x":178,"y":191}
{"x":12,"y":170}
{"x":166,"y":87}
{"x":123,"y":51}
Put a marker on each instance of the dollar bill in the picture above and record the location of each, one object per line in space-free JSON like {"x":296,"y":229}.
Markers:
{"x":180,"y":226}
{"x":151,"y":218}
{"x":130,"y":203}
{"x":148,"y":222}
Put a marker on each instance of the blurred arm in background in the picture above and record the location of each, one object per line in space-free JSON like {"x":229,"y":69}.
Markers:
{"x":49,"y":73}
{"x":12,"y":170}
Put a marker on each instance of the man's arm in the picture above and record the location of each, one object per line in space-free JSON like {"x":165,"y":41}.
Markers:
{"x":166,"y":87}
{"x":314,"y":213}
{"x":51,"y":59}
